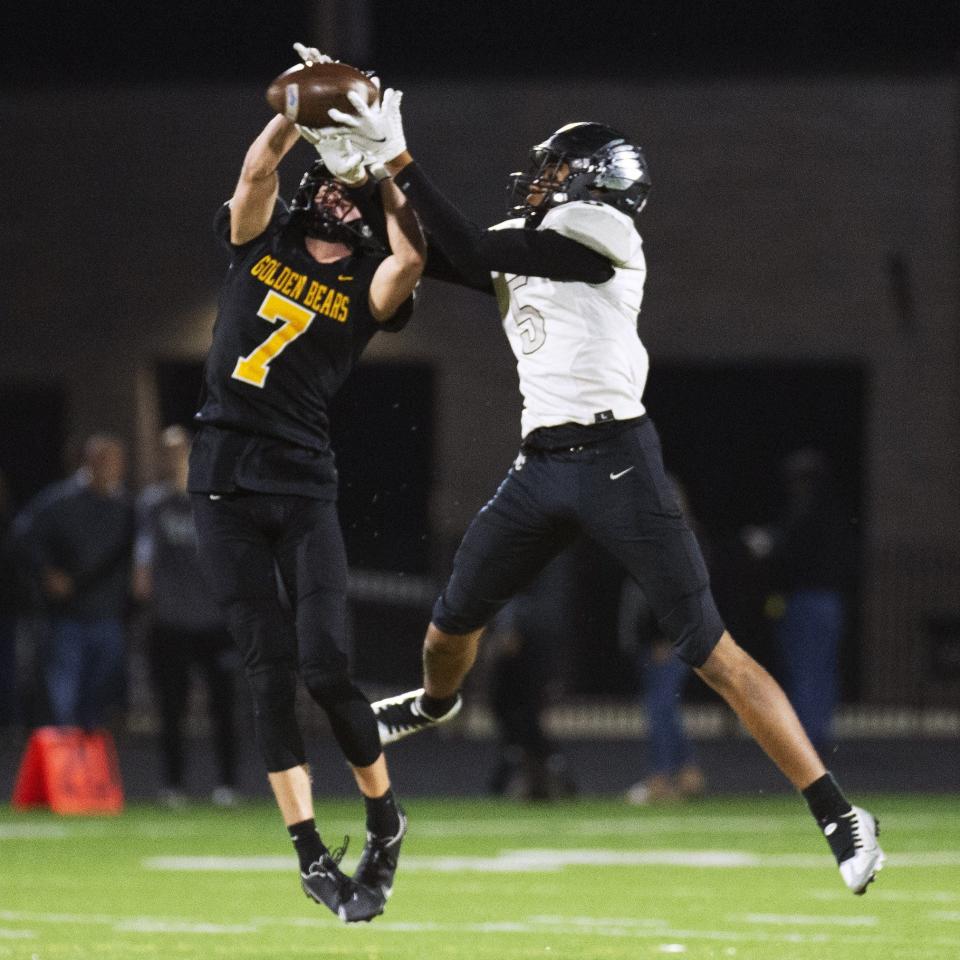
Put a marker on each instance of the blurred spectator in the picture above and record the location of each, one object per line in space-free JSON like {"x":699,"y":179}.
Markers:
{"x":79,"y":534}
{"x":9,"y":712}
{"x":186,"y":625}
{"x":673,"y":772}
{"x":811,"y":559}
{"x":24,"y":585}
{"x":530,"y":766}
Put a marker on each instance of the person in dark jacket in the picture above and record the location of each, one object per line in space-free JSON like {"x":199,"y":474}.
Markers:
{"x":81,"y":542}
{"x":187,"y":627}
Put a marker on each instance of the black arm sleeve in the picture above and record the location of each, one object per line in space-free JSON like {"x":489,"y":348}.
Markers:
{"x":440,"y":268}
{"x":475,"y":253}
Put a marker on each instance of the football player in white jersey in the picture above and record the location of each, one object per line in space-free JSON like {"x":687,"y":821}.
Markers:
{"x":568,"y":272}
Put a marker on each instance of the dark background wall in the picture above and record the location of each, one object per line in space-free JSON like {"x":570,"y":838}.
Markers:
{"x":50,"y":41}
{"x":802,"y":240}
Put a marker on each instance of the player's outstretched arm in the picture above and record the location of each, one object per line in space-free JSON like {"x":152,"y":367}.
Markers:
{"x":252,"y":203}
{"x":377,"y":130}
{"x":397,"y":276}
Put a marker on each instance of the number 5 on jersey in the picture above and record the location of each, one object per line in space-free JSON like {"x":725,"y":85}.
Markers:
{"x":253,"y":369}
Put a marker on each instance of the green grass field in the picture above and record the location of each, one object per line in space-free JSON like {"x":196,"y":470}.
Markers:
{"x":480,"y":879}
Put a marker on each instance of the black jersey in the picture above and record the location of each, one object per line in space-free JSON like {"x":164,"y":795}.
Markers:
{"x":288,"y":332}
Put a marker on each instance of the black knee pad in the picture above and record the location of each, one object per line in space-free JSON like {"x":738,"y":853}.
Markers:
{"x":694,"y":626}
{"x":348,"y":710}
{"x":273,"y":688}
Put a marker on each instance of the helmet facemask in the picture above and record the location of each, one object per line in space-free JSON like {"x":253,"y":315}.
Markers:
{"x":316,"y":206}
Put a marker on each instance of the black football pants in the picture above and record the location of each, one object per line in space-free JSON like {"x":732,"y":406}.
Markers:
{"x":615,"y":492}
{"x":246,"y":540}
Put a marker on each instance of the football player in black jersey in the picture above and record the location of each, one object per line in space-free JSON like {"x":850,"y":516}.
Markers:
{"x":307,"y":287}
{"x":568,"y":271}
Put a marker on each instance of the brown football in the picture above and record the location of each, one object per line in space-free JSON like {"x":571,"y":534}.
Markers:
{"x":304,"y":93}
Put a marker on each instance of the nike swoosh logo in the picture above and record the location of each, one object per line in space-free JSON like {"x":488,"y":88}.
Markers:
{"x":341,"y":276}
{"x":617,"y":476}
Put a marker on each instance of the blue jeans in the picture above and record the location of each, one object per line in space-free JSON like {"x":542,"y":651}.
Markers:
{"x":85,"y":670}
{"x":808,"y":640}
{"x":663,"y":677}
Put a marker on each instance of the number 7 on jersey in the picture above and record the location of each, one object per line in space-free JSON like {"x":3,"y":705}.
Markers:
{"x":253,"y":369}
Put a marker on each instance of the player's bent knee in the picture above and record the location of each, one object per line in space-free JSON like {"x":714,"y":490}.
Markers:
{"x":327,"y":686}
{"x":694,"y":627}
{"x":348,"y":711}
{"x":439,"y":641}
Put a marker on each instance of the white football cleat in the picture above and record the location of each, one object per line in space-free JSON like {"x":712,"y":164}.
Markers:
{"x":853,"y":840}
{"x":400,"y":716}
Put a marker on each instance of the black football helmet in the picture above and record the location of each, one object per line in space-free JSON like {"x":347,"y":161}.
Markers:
{"x":603,"y":165}
{"x":319,"y":219}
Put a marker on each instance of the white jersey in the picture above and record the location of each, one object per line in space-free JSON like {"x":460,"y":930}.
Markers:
{"x":578,"y":354}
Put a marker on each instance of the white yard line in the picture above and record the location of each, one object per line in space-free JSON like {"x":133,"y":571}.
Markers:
{"x":33,"y":831}
{"x":156,"y":925}
{"x":892,"y":896}
{"x":114,"y":829}
{"x":805,"y":920}
{"x":644,"y":824}
{"x":232,"y":864}
{"x":26,"y":916}
{"x":612,"y":927}
{"x":548,"y":860}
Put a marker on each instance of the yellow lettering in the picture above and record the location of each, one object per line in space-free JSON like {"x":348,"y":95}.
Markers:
{"x":318,"y":295}
{"x":291,"y":283}
{"x":271,"y":272}
{"x":344,"y":309}
{"x":335,"y":309}
{"x":327,"y":303}
{"x":300,"y":284}
{"x":261,"y":265}
{"x":282,"y":279}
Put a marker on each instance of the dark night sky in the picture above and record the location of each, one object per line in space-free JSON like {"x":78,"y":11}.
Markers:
{"x":55,"y":42}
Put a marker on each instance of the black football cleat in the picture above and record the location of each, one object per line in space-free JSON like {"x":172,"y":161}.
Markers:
{"x":378,"y":862}
{"x":327,"y":884}
{"x":403,"y":715}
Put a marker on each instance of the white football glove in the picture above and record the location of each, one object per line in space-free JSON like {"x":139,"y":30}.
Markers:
{"x":311,"y":54}
{"x":338,"y":154}
{"x":377,"y":129}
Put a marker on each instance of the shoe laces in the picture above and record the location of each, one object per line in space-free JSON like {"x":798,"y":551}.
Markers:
{"x":854,"y":822}
{"x":334,"y":856}
{"x":340,"y":852}
{"x":846,"y":840}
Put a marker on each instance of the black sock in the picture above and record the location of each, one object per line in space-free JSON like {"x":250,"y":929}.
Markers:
{"x":383,"y":815}
{"x":825,"y":800}
{"x":436,"y":707}
{"x":307,"y":842}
